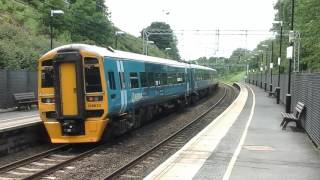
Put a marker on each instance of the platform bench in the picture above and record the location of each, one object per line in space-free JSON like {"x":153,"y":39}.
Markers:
{"x":25,"y":99}
{"x":271,"y":93}
{"x":293,"y":117}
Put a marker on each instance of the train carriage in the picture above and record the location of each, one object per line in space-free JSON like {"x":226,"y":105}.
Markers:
{"x":85,"y":91}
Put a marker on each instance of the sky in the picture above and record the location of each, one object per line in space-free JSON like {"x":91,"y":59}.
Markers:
{"x":195,"y":22}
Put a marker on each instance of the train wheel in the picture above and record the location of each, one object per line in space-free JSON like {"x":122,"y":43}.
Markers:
{"x":149,"y":114}
{"x":108,"y":133}
{"x":188,"y":100}
{"x":194,"y":99}
{"x":180,"y":105}
{"x":138,"y":117}
{"x":129,"y":123}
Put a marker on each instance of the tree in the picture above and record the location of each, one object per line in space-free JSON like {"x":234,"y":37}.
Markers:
{"x":82,"y":21}
{"x":20,"y":49}
{"x":239,"y":55}
{"x":90,"y":22}
{"x":163,"y":37}
{"x":307,"y":23}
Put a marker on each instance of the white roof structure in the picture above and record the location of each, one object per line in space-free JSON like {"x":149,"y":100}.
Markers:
{"x":105,"y":52}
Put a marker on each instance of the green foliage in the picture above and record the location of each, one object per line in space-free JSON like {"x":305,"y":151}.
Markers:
{"x":239,"y":56}
{"x":130,"y":43}
{"x":20,"y":49}
{"x":235,"y":63}
{"x":307,"y":23}
{"x":233,"y":77}
{"x":82,"y":21}
{"x":25,"y":29}
{"x":165,"y":40}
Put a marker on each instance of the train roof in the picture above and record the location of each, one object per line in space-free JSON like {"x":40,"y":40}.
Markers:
{"x":105,"y":52}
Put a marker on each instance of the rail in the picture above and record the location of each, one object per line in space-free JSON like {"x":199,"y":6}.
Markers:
{"x":135,"y":161}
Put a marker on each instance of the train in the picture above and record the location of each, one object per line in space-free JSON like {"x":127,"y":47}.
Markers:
{"x":86,"y":92}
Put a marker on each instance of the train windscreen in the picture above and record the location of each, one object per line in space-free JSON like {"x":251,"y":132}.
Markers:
{"x":92,"y":75}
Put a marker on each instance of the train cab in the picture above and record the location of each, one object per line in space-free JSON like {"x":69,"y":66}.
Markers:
{"x":72,"y":95}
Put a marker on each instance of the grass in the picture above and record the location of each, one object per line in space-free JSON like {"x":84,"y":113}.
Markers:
{"x":232,"y":77}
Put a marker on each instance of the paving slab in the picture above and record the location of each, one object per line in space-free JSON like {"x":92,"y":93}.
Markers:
{"x":17,"y":119}
{"x":272,"y":153}
{"x":255,"y":147}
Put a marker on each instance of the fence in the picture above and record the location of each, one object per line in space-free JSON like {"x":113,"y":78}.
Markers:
{"x":304,"y":88}
{"x":15,"y":82}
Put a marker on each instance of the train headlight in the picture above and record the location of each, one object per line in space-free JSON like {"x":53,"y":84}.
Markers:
{"x":47,"y":100}
{"x":94,"y":98}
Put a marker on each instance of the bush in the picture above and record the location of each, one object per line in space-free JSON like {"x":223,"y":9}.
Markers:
{"x":20,"y":49}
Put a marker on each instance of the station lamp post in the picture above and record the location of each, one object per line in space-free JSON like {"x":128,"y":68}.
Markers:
{"x":271,"y":67}
{"x":278,"y":89}
{"x":256,"y":79}
{"x":266,"y":67}
{"x":148,"y":42}
{"x":257,"y":60}
{"x":261,"y":68}
{"x":288,"y":95}
{"x":252,"y":76}
{"x":290,"y":57}
{"x":118,"y":33}
{"x":53,"y":13}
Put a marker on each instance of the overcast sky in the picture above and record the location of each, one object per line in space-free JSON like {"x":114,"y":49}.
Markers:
{"x":132,"y":16}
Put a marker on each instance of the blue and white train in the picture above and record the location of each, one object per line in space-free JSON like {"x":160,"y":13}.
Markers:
{"x":86,"y":91}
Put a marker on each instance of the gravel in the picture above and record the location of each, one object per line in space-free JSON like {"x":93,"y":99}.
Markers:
{"x":30,"y":151}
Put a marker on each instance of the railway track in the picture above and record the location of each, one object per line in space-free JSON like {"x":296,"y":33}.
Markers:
{"x":40,"y":165}
{"x":136,"y":167}
{"x":44,"y":163}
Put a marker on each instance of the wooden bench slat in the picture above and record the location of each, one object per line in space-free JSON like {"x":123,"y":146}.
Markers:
{"x":25,"y":99}
{"x":295,"y":117}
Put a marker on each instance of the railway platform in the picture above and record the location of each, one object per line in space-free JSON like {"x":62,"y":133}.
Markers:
{"x":12,"y":120}
{"x":245,"y":142}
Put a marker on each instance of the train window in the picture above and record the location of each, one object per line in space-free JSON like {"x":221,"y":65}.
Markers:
{"x":112,"y":83}
{"x":183,"y":77}
{"x":164,"y":79}
{"x":151,"y":79}
{"x":134,"y":82}
{"x":157,"y":79}
{"x":47,"y":74}
{"x":197,"y":76}
{"x":179,"y":78}
{"x":172,"y":78}
{"x":143,"y":79}
{"x":92,"y":75}
{"x":47,"y":63}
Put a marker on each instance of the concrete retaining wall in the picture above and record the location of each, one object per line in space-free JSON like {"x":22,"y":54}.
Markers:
{"x":21,"y":138}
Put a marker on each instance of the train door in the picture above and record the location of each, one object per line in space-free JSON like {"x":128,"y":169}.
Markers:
{"x":191,"y":79}
{"x":117,"y":94}
{"x":158,"y":85}
{"x":68,"y":89}
{"x":187,"y":79}
{"x":69,"y":92}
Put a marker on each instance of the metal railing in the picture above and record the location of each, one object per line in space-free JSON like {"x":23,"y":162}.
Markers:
{"x":306,"y":89}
